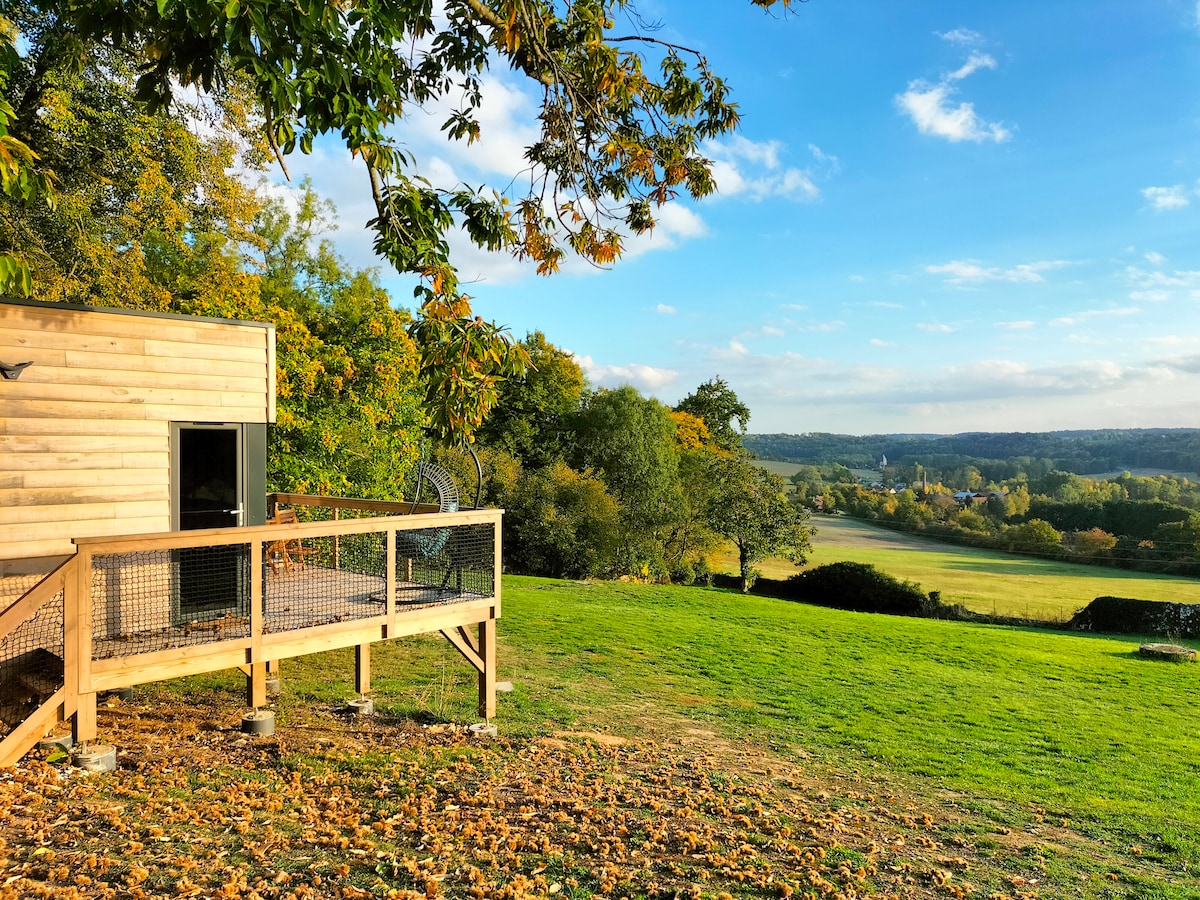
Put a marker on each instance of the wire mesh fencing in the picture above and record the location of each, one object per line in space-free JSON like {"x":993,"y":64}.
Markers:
{"x":145,"y":601}
{"x":31,"y":664}
{"x":327,"y":579}
{"x":151,"y":600}
{"x":441,"y":565}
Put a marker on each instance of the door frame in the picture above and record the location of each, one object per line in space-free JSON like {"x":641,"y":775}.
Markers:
{"x":177,"y":429}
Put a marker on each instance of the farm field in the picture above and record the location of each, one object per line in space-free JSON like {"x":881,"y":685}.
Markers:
{"x":742,"y":746}
{"x":985,"y":581}
{"x":783,"y":469}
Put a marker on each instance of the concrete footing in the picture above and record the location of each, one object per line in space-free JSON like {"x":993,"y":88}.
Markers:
{"x":95,"y":758}
{"x":363,"y":706}
{"x":261,"y":721}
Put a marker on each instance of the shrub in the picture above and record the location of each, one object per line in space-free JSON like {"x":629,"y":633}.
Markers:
{"x":560,"y":523}
{"x":859,"y":587}
{"x":1122,"y":615}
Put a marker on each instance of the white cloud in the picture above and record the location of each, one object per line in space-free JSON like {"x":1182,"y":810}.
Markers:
{"x":934,"y":327}
{"x":1088,"y":314}
{"x":884,"y":304}
{"x":772,"y":331}
{"x":792,"y":392}
{"x":974,"y":63}
{"x":876,"y":342}
{"x":824,"y":327}
{"x":508,"y":123}
{"x":1150,"y":296}
{"x":796,"y":306}
{"x":961,"y":36}
{"x":1154,"y":258}
{"x":742,"y":166}
{"x":1172,"y":340}
{"x":830,"y":161}
{"x":932,"y":107}
{"x":1164,"y":198}
{"x":645,"y":378}
{"x":969,"y":271}
{"x":1157,"y":286}
{"x":674,"y":224}
{"x":857,"y":277}
{"x":665,"y":310}
{"x":1016,"y":326}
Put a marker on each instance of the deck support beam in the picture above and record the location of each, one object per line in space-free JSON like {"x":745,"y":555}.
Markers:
{"x":362,"y":669}
{"x":256,"y":685}
{"x":487,"y":677}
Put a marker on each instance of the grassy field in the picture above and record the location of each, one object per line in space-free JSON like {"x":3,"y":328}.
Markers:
{"x":982,"y":580}
{"x":783,"y":469}
{"x":1059,"y":759}
{"x":660,"y":742}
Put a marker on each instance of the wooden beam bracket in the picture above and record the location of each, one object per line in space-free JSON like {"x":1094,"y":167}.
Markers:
{"x":464,"y":645}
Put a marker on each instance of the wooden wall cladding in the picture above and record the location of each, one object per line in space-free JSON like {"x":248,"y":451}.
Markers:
{"x":85,"y":430}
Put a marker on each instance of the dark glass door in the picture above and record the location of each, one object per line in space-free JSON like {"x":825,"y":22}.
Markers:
{"x":211,"y":581}
{"x":209,"y":467}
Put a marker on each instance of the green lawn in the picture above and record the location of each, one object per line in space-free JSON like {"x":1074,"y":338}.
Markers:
{"x":1036,"y":732}
{"x":982,"y":580}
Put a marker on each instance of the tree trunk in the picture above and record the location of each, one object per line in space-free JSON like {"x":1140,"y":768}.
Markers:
{"x":744,"y":568}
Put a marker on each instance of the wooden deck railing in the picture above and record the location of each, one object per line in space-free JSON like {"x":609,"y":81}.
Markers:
{"x":142,"y":608}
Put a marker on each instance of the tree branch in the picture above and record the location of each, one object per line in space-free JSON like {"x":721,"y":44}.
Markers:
{"x":641,"y":38}
{"x":539,"y":69}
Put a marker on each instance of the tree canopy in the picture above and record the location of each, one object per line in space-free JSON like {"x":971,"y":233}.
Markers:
{"x":623,"y":118}
{"x":715,"y":403}
{"x":749,"y":508}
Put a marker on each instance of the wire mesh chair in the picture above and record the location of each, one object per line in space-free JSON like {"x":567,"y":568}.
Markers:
{"x":426,"y":542}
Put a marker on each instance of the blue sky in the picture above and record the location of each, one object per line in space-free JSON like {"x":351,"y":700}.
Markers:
{"x":936,"y":217}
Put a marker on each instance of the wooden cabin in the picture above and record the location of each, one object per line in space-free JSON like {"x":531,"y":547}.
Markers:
{"x":126,"y":422}
{"x":135,"y":543}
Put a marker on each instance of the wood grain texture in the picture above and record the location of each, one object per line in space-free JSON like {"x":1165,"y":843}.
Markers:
{"x":85,"y":432}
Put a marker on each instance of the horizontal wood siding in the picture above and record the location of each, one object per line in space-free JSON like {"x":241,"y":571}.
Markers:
{"x":85,"y":431}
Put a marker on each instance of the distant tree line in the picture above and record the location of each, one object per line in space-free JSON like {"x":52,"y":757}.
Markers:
{"x":1151,"y":523}
{"x":997,"y":456}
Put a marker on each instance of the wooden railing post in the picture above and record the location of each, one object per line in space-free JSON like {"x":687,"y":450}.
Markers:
{"x":256,"y":681}
{"x":391,"y":545}
{"x":77,"y":646}
{"x":487,"y":635}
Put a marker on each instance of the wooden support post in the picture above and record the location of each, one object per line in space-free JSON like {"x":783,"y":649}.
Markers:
{"x":256,"y":679}
{"x":83,"y":726}
{"x":362,"y":668}
{"x":78,"y":647}
{"x":487,"y":678}
{"x":256,"y":685}
{"x":390,"y":581}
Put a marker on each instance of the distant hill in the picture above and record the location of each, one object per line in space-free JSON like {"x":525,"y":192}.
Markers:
{"x":1082,"y":452}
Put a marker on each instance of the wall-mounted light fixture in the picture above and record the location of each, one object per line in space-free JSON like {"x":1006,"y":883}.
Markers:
{"x":12,"y":373}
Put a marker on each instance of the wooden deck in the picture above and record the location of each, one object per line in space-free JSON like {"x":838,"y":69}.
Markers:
{"x":133,"y":609}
